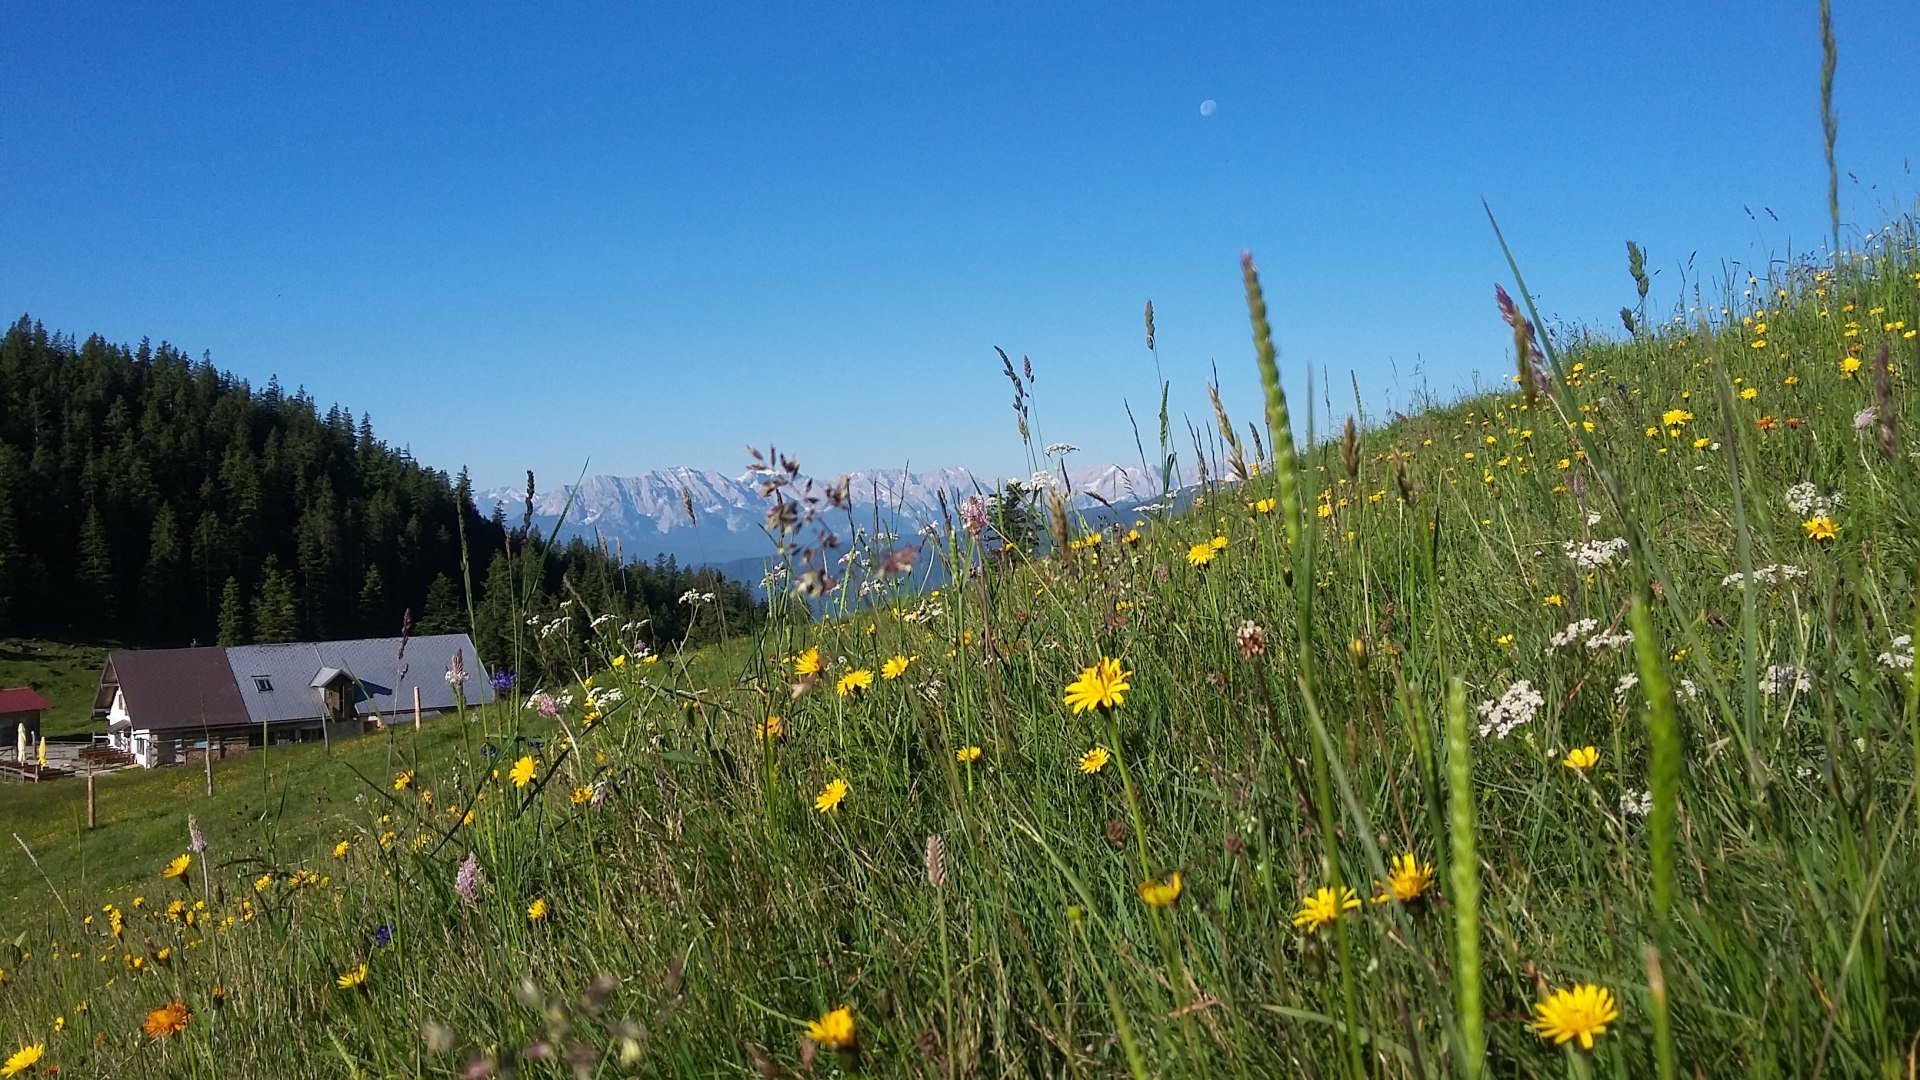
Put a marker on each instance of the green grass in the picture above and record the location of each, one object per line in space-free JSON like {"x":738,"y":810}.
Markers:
{"x":65,"y":674}
{"x":1737,"y":870}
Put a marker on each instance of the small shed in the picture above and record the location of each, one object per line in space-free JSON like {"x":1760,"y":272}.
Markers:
{"x":21,"y":705}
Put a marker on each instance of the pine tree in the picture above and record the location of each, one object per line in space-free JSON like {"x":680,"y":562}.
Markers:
{"x":233,"y":614}
{"x":442,"y":613}
{"x":95,"y":572}
{"x":160,"y":580}
{"x":373,"y":603}
{"x":275,"y":615}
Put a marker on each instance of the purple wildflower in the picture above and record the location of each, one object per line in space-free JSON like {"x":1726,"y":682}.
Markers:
{"x":468,"y":881}
{"x":504,"y":680}
{"x":547,"y":705}
{"x":382,"y":936}
{"x":973,"y":512}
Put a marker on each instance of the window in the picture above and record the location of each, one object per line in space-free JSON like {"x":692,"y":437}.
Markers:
{"x":263,"y":684}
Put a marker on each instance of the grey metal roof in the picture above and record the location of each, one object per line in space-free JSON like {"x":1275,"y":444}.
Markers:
{"x":384,"y":680}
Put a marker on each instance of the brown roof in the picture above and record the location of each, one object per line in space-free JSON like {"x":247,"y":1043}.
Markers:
{"x":22,"y":699}
{"x":178,"y":688}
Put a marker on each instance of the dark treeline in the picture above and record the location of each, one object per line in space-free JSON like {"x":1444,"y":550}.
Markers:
{"x":151,"y":499}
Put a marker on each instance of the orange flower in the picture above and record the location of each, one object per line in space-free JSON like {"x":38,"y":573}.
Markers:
{"x":168,"y":1020}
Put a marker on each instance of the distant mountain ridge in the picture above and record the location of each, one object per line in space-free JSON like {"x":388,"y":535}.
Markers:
{"x":645,"y":515}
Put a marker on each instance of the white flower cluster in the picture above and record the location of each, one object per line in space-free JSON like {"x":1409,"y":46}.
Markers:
{"x":603,"y":697}
{"x":1636,"y":803}
{"x":695,"y":596}
{"x":1767,"y":575}
{"x":1041,"y":481}
{"x":600,"y":621}
{"x":1595,"y":554}
{"x":927,"y":611}
{"x":1780,"y":678}
{"x":551,"y":628}
{"x":1516,"y":706}
{"x":1610,"y":640}
{"x":1806,"y":500}
{"x":1060,"y":448}
{"x":1576,"y":630}
{"x":1899,"y":656}
{"x":1687,"y":687}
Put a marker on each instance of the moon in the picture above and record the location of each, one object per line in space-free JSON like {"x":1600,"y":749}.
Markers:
{"x":1207,"y":107}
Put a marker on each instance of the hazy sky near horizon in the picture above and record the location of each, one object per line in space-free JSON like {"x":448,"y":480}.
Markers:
{"x":631,"y":236}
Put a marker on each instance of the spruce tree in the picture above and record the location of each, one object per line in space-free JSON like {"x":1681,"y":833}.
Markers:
{"x":233,"y":614}
{"x":275,"y":616}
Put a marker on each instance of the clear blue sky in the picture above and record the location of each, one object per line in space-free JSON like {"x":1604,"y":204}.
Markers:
{"x":529,"y":235}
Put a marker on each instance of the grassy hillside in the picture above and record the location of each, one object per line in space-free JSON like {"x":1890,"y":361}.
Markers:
{"x":1586,"y":714}
{"x":65,"y":674}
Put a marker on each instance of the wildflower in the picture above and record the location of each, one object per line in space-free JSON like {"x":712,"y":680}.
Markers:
{"x":1579,"y":1013}
{"x":1899,"y":655}
{"x":168,"y":1020}
{"x":896,"y":666}
{"x":523,"y":772}
{"x":1780,"y":678}
{"x":1504,"y":641}
{"x":1849,"y":366}
{"x":1636,"y":803}
{"x":403,"y":781}
{"x":1219,"y":543}
{"x":178,"y":867}
{"x":1408,"y":879}
{"x":353,"y":978}
{"x":808,"y":664}
{"x":973,"y":514}
{"x":1251,"y":640}
{"x":1596,"y":553}
{"x":1263,"y":506}
{"x":582,"y":795}
{"x":834,"y":1030}
{"x":1749,"y":394}
{"x":1102,"y":686}
{"x":831,"y":796}
{"x":23,"y":1059}
{"x":1161,"y":893}
{"x":1575,"y":630}
{"x":1516,"y":705}
{"x":1582,"y":759}
{"x":773,"y":729}
{"x":538,"y":910}
{"x":340,"y":849}
{"x":1820,"y":528}
{"x":620,"y":661}
{"x":1674,"y":418}
{"x":967,"y":755}
{"x":1094,"y":760}
{"x":854,"y":682}
{"x":1323,"y":906}
{"x":382,"y":935}
{"x":1200,"y":555}
{"x":468,"y":880}
{"x":1555,"y":600}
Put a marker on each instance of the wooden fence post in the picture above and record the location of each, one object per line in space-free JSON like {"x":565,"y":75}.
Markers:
{"x":416,"y":708}
{"x":89,"y":798}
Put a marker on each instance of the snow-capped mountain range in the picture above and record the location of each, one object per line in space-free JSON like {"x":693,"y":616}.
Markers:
{"x":645,"y":516}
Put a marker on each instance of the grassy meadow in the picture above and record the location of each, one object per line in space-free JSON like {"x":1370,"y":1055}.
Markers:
{"x":64,"y":673}
{"x":1569,"y":730}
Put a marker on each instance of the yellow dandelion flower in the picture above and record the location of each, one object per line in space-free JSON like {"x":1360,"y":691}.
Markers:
{"x":353,"y":978}
{"x":620,"y":661}
{"x":1200,"y":554}
{"x":1218,"y":543}
{"x":23,"y":1059}
{"x":1408,"y":879}
{"x":1674,"y":418}
{"x":834,"y":1030}
{"x":1581,"y":759}
{"x":1264,"y":506}
{"x":1820,"y":527}
{"x":808,"y":664}
{"x":854,"y":682}
{"x":178,"y":867}
{"x":895,"y":667}
{"x":773,"y":729}
{"x":538,"y":910}
{"x":1094,"y":760}
{"x":1103,"y":686}
{"x":340,"y":849}
{"x":831,"y":796}
{"x":1161,"y":893}
{"x":967,"y":755}
{"x":523,"y":772}
{"x":582,"y":795}
{"x":1749,"y":394}
{"x":1322,"y":906}
{"x":403,"y":781}
{"x":1555,"y":600}
{"x":1577,"y":1013}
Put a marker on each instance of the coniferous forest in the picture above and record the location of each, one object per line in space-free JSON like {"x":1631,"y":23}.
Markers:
{"x":148,"y":498}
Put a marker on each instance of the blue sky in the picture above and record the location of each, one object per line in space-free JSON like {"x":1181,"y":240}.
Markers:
{"x":637,"y":236}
